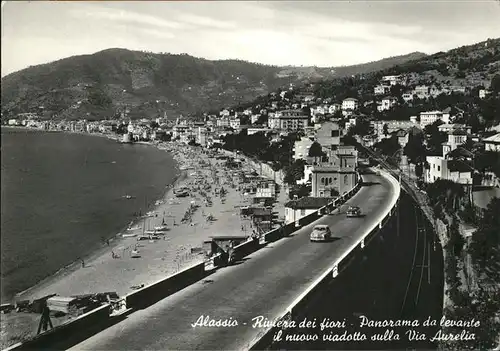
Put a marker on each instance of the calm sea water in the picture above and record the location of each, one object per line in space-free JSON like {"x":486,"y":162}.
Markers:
{"x":62,"y":194}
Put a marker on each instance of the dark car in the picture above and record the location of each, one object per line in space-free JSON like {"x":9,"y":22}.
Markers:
{"x":353,"y":211}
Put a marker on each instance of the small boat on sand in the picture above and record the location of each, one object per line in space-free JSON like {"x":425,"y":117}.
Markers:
{"x":134,"y":228}
{"x":161,"y":228}
{"x":128,"y":235}
{"x":181,"y":192}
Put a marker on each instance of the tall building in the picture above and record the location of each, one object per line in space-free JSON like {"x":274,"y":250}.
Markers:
{"x":337,"y":175}
{"x":350,"y":104}
{"x":430,"y":117}
{"x":288,"y":120}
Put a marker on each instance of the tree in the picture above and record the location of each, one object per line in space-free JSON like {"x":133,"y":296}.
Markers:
{"x":487,"y":161}
{"x":316,"y":151}
{"x":294,"y":172}
{"x":445,"y":194}
{"x":121,"y":129}
{"x":388,"y":146}
{"x":361,"y":128}
{"x":300,"y":191}
{"x":456,"y":241}
{"x":415,"y":149}
{"x":166,"y":137}
{"x":262,"y":120}
{"x":485,"y":244}
{"x":435,"y":138}
{"x":99,"y":98}
{"x":419,"y":170}
{"x":495,"y":83}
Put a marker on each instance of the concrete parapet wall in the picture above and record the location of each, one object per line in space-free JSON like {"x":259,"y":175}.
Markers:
{"x":69,"y":333}
{"x":152,"y":293}
{"x":246,"y":248}
{"x":301,"y":303}
{"x":250,"y":246}
{"x":274,"y":235}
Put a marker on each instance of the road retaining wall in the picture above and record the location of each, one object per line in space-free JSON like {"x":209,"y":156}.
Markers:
{"x":263,"y":340}
{"x":250,"y":246}
{"x":94,"y":321}
{"x":69,"y":333}
{"x":154,"y":292}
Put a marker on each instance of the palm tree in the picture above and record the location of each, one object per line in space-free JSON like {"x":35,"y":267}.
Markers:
{"x":315,"y":151}
{"x":386,"y":129}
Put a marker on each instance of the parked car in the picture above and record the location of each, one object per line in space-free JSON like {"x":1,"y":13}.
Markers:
{"x":353,"y":211}
{"x":321,"y":232}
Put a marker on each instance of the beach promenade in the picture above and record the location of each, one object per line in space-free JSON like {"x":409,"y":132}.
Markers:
{"x":127,"y":263}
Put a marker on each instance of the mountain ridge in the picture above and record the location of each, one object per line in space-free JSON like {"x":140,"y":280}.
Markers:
{"x":145,"y":84}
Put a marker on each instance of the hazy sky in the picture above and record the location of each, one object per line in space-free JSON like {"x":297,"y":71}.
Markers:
{"x":322,"y":33}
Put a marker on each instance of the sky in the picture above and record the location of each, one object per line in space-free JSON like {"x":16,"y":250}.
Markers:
{"x":310,"y":33}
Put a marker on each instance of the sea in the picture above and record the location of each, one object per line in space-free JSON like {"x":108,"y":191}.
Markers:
{"x":63,"y":195}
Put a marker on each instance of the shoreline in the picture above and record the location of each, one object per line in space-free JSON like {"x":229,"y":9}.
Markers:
{"x":114,"y":239}
{"x":188,"y":235}
{"x":114,"y":242}
{"x":191,"y":164}
{"x":131,"y":262}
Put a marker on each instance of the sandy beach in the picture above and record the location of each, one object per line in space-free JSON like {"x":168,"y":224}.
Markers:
{"x":126,"y":263}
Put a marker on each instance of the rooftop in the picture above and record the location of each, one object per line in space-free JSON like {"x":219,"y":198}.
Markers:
{"x":494,"y":138}
{"x":459,"y":166}
{"x":460,"y":152}
{"x":458,"y":132}
{"x":451,"y":125}
{"x":400,"y":133}
{"x":430,"y":112}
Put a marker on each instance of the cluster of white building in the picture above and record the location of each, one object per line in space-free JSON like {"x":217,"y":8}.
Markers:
{"x":330,"y":175}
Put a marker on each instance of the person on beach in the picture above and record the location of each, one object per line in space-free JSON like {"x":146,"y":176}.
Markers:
{"x":83,"y":263}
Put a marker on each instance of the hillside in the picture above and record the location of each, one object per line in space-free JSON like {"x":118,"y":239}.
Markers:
{"x":146,"y":84}
{"x":471,"y":66}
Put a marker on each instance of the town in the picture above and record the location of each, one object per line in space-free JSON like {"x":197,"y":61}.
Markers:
{"x":440,"y":138}
{"x":431,"y":145}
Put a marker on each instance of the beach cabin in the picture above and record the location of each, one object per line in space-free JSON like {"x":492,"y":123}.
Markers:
{"x":222,"y":243}
{"x":264,"y":201}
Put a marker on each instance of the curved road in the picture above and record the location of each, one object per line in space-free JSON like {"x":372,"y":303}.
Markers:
{"x":263,"y":284}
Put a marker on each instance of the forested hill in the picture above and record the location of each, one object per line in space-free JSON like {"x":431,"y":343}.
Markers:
{"x":104,"y":84}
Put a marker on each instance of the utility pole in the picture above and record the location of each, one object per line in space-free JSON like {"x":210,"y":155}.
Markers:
{"x":397,"y":221}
